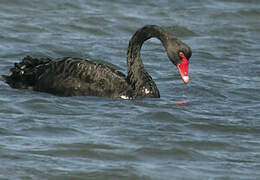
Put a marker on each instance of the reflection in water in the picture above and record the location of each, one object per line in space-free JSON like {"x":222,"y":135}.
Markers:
{"x":181,"y":103}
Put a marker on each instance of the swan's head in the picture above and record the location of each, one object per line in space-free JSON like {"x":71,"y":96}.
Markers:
{"x":179,"y":53}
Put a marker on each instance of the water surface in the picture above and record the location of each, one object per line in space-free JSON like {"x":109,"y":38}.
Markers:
{"x":208,"y":129}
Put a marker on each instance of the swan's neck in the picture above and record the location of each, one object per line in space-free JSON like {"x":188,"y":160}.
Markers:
{"x":138,"y":77}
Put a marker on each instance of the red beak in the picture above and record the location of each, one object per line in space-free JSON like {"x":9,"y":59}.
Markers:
{"x":183,"y":68}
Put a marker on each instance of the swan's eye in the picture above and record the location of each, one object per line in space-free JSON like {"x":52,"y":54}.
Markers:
{"x":181,"y":55}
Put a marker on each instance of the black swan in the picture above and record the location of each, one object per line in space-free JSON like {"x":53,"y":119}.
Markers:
{"x":82,"y":77}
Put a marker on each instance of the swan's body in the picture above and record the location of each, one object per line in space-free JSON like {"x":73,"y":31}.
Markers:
{"x":82,"y":77}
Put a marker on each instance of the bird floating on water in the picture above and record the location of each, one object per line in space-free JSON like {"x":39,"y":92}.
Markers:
{"x":82,"y":77}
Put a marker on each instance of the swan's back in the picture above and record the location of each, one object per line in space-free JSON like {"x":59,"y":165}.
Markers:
{"x":69,"y":77}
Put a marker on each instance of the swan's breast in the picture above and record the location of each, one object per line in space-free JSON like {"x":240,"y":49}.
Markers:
{"x":149,"y":92}
{"x":146,"y":91}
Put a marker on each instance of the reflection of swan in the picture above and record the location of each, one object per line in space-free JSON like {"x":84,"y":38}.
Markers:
{"x":74,"y":76}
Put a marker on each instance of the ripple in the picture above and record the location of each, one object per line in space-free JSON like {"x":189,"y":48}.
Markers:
{"x":181,"y":31}
{"x":213,"y":136}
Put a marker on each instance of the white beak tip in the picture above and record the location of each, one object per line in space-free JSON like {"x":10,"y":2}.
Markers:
{"x":186,"y":79}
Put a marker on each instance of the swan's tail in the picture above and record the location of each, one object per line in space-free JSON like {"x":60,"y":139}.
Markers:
{"x":23,"y":74}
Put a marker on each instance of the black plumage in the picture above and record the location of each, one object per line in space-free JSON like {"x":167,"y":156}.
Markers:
{"x":82,"y":77}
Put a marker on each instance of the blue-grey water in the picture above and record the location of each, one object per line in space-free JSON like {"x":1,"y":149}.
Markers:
{"x":208,"y":129}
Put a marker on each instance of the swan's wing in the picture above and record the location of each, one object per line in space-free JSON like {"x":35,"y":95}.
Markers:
{"x":68,"y":77}
{"x":72,"y":76}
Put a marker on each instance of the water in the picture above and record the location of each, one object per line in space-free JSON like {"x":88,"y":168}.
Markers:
{"x":209,"y":129}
